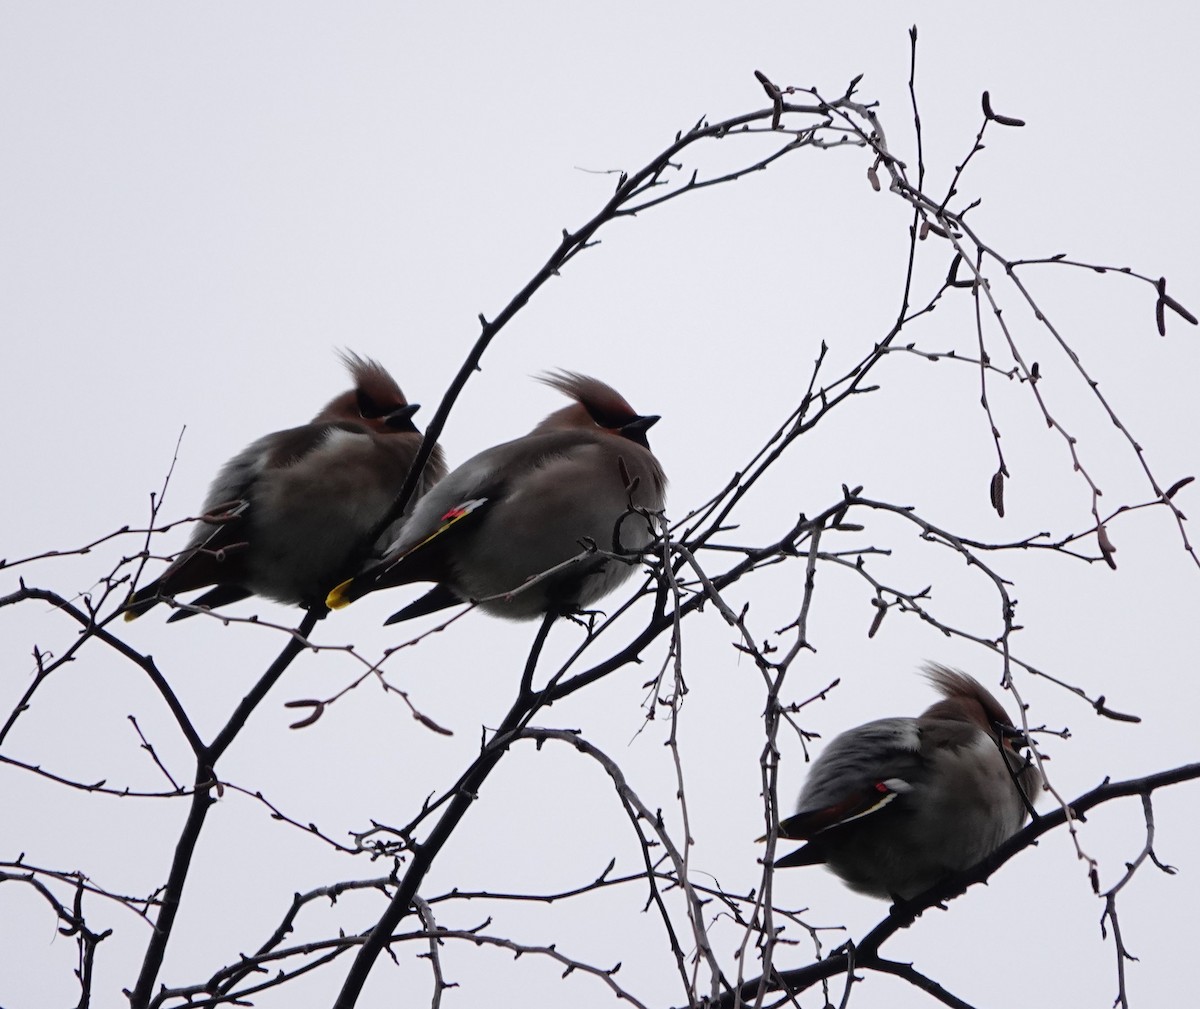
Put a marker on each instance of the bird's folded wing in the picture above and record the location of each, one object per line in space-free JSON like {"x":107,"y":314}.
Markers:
{"x":461,"y":516}
{"x":201,"y":563}
{"x":807,"y":823}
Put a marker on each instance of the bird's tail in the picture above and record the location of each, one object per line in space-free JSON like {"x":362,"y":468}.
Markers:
{"x":352,"y":588}
{"x":142,"y":600}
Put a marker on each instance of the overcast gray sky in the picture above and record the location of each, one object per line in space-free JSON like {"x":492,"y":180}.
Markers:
{"x":199,"y":203}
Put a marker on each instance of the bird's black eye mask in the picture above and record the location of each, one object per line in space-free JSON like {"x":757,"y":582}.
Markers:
{"x":399,"y":419}
{"x":367,"y":407}
{"x":613,"y":420}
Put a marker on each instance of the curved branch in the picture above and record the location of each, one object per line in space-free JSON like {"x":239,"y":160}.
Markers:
{"x":865,"y":954}
{"x":202,"y":800}
{"x":92,"y":629}
{"x":628,"y":189}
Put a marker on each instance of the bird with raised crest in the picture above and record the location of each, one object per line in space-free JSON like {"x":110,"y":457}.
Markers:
{"x":291,"y":515}
{"x":508,"y":527}
{"x":895,"y":805}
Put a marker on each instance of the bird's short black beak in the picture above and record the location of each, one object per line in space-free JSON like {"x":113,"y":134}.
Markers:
{"x":636,"y":429}
{"x":401,"y":419}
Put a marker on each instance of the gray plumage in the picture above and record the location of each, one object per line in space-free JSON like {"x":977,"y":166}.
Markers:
{"x":518,"y":509}
{"x":296,"y":507}
{"x":894,"y":805}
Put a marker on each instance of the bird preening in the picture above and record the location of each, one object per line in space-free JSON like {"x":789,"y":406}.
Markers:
{"x":897,"y":804}
{"x":546,"y":523}
{"x":291,"y":514}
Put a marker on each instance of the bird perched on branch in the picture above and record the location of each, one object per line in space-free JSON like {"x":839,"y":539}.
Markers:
{"x":896,"y":804}
{"x":583,"y":479}
{"x":291,"y":514}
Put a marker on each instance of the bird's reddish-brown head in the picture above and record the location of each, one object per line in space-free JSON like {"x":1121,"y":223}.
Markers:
{"x":965,"y":698}
{"x":375,"y":401}
{"x":597,"y":405}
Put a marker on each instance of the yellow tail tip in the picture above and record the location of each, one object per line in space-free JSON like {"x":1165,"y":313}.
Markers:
{"x":132,"y":610}
{"x":340,"y":596}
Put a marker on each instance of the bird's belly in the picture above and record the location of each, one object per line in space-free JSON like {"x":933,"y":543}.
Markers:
{"x":565,"y":575}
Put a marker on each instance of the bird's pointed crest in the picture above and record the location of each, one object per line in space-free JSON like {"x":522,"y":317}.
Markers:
{"x":964,"y":697}
{"x":375,"y":395}
{"x":603,"y":403}
{"x":376,"y":391}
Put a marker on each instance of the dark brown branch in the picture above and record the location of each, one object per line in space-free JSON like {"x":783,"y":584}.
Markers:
{"x":919,"y":980}
{"x":92,"y":629}
{"x":202,"y":800}
{"x":571,"y":244}
{"x":866,"y":952}
{"x":461,"y":798}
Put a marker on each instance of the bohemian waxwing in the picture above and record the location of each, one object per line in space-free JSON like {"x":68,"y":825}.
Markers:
{"x":291,"y":514}
{"x":895,"y":805}
{"x":518,"y":509}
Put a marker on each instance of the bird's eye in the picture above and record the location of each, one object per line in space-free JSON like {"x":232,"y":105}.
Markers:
{"x":367,"y":407}
{"x":603,"y":418}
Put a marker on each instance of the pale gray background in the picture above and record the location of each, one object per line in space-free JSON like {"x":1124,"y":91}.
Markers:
{"x":199,"y":202}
